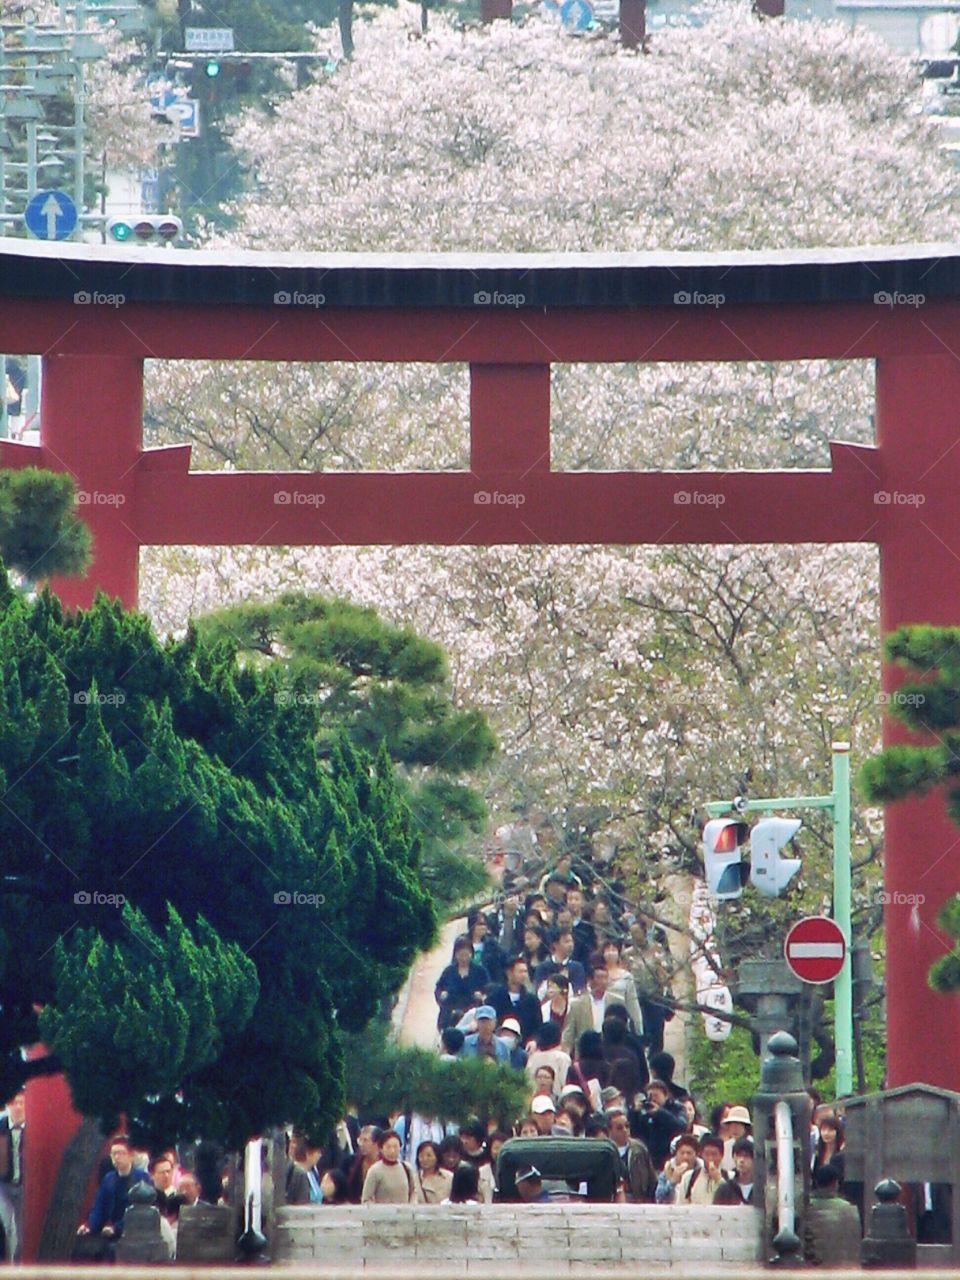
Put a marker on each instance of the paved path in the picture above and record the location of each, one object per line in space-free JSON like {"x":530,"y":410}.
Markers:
{"x":415,"y":1017}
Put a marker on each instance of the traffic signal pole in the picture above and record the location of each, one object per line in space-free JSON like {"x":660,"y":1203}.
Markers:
{"x":837,"y":803}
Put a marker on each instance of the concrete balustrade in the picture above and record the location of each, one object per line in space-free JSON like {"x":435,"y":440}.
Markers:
{"x":463,"y":1240}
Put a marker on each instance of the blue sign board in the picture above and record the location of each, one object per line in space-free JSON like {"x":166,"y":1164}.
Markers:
{"x":51,"y":215}
{"x":576,"y":15}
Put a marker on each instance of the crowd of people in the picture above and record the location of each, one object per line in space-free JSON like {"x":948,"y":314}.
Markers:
{"x":557,"y":982}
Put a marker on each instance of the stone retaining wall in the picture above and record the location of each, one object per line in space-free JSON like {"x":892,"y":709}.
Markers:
{"x":469,"y":1239}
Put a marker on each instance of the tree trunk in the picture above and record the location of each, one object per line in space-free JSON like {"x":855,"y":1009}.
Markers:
{"x":346,"y":28}
{"x":66,"y":1204}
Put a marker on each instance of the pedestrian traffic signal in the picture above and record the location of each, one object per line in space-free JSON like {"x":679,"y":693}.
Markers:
{"x":213,"y":68}
{"x":146,"y":228}
{"x":769,"y":872}
{"x":722,"y":862}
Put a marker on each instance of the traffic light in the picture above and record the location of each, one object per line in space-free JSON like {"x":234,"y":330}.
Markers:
{"x":722,"y":839}
{"x":769,"y":872}
{"x":213,"y":68}
{"x":146,"y":228}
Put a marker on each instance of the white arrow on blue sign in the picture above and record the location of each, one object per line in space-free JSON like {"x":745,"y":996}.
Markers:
{"x":50,"y":215}
{"x":576,"y":15}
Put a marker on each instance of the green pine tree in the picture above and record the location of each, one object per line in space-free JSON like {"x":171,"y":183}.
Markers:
{"x":387,"y":689}
{"x":201,"y":901}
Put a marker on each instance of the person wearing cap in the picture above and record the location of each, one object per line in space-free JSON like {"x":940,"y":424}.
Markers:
{"x":739,"y":1189}
{"x":529,"y":1184}
{"x":544,"y":1111}
{"x":509,"y":1032}
{"x":483,"y":1043}
{"x":735,"y":1124}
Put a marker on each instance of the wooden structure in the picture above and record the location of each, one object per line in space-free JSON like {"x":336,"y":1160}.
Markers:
{"x":911,"y":1134}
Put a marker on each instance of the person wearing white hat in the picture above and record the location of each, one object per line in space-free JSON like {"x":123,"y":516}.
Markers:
{"x":544,"y":1111}
{"x":735,"y":1124}
{"x":509,"y":1031}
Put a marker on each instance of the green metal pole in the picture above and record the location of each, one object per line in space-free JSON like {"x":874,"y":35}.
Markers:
{"x":843,"y":985}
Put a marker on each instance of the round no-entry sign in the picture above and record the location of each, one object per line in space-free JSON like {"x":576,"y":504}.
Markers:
{"x":815,"y":949}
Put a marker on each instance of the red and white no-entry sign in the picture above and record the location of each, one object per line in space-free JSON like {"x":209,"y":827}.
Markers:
{"x":815,"y":949}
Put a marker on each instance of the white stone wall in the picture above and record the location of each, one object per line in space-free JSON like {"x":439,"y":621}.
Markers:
{"x":552,"y":1238}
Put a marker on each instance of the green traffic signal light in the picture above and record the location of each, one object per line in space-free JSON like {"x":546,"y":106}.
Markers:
{"x":213,"y":68}
{"x":121,"y":230}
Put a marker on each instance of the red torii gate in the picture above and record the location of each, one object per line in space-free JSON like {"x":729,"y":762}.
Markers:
{"x":510,"y":317}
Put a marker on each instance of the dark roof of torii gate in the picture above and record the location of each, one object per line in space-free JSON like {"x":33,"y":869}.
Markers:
{"x":37,"y":270}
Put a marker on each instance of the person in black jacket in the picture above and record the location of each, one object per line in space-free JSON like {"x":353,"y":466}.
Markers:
{"x":486,"y":949}
{"x":658,"y":1122}
{"x":461,"y":985}
{"x":514,"y":997}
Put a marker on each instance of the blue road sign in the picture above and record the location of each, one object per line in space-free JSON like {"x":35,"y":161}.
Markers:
{"x":50,"y":215}
{"x":576,"y":15}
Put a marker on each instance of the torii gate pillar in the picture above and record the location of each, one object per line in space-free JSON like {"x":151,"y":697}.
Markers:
{"x":918,"y":431}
